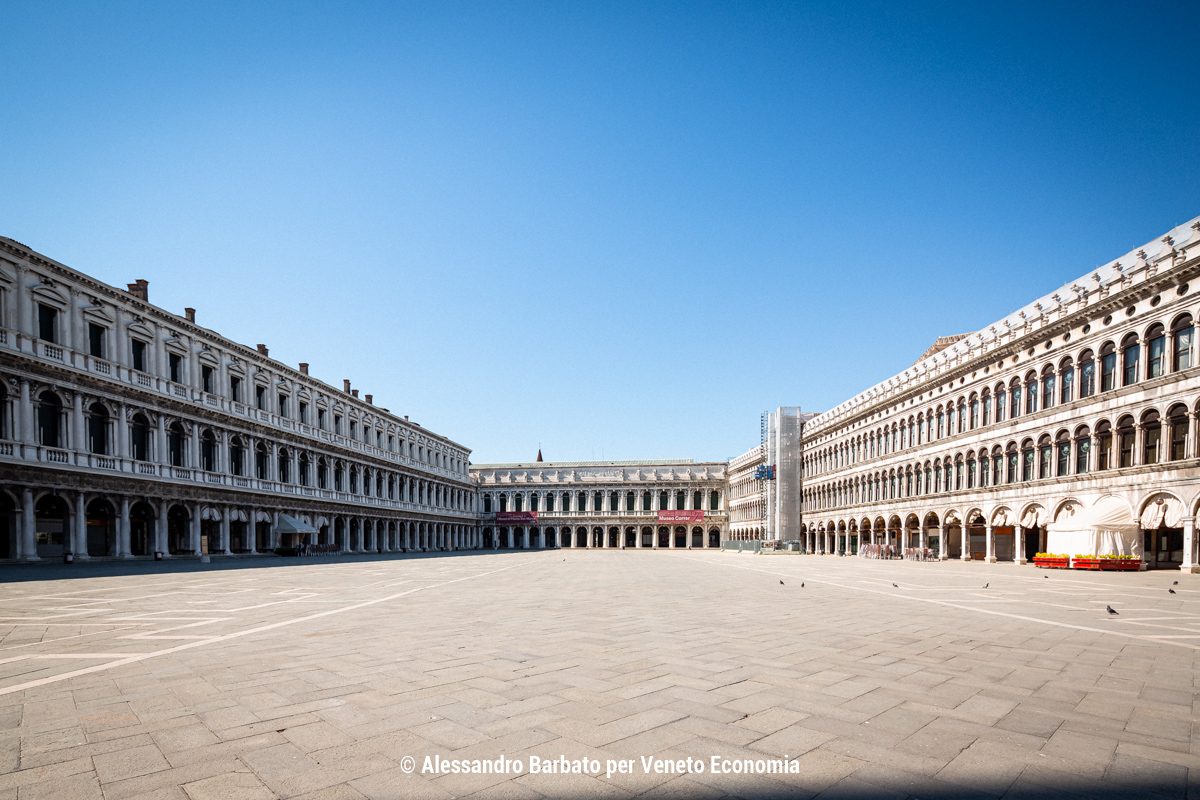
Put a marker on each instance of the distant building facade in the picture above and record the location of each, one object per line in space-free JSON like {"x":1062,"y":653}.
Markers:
{"x":603,"y":504}
{"x":126,"y":430}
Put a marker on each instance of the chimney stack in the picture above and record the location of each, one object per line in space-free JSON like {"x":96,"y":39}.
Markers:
{"x":303,"y":367}
{"x":140,"y":289}
{"x":346,"y":385}
{"x":190,"y":313}
{"x":262,"y":348}
{"x":370,"y":399}
{"x":354,"y":393}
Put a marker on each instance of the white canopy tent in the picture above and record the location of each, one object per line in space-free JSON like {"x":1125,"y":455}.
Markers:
{"x":1107,"y":528}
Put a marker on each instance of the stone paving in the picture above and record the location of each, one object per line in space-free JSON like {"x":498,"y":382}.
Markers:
{"x":339,"y":679}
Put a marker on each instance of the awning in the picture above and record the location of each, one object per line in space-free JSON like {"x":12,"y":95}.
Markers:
{"x":292,"y":525}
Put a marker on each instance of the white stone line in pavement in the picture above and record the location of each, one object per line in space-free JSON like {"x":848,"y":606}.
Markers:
{"x":63,"y":638}
{"x":1148,"y":639}
{"x":133,"y":659}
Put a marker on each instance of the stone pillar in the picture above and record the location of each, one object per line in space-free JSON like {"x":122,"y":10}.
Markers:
{"x":525,"y":537}
{"x":123,"y":529}
{"x":79,"y":527}
{"x":943,"y":545}
{"x":194,"y":524}
{"x":225,"y":512}
{"x":965,"y":536}
{"x":78,"y":438}
{"x":1019,"y":544}
{"x":251,"y":532}
{"x":28,"y":543}
{"x":1189,"y":545}
{"x":991,"y":544}
{"x":160,"y":532}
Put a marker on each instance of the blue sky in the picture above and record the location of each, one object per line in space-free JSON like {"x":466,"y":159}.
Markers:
{"x":619,"y":230}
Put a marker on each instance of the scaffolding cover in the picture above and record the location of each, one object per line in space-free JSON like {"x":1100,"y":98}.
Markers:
{"x":784,"y":426}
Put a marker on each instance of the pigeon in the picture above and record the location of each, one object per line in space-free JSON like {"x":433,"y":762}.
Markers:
{"x":781,"y":582}
{"x":1172,"y":591}
{"x":987,"y":584}
{"x":1111,"y":610}
{"x":1047,"y":577}
{"x":1174,"y":583}
{"x":894,"y":586}
{"x":801,"y":584}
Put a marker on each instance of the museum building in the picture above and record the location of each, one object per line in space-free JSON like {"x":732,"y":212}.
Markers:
{"x":603,"y":504}
{"x":1077,"y":413}
{"x":126,"y":430}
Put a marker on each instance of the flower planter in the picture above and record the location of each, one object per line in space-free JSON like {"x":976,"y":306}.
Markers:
{"x":1121,"y":564}
{"x":1051,"y":563}
{"x":1087,"y":563}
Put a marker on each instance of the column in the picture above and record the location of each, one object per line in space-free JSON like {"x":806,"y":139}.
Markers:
{"x":160,"y":531}
{"x":194,"y":524}
{"x":78,"y":437}
{"x":966,"y":542}
{"x":79,"y":527}
{"x":225,"y":512}
{"x":1019,"y":544}
{"x":637,"y":538}
{"x":251,"y":532}
{"x":524,"y":537}
{"x":943,"y":545}
{"x":1189,"y":545}
{"x":991,"y":544}
{"x":123,"y":529}
{"x":28,"y":543}
{"x":922,"y":538}
{"x":385,"y":544}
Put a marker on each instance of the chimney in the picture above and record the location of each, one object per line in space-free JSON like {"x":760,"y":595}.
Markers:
{"x":190,"y":314}
{"x":370,"y":399}
{"x":262,"y":348}
{"x":346,"y":385}
{"x":303,"y":367}
{"x":406,"y":417}
{"x":140,"y":289}
{"x":354,"y":393}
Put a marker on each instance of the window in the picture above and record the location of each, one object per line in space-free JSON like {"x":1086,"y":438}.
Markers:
{"x":680,"y":499}
{"x":285,"y":466}
{"x":1181,"y":343}
{"x":283,"y":405}
{"x":175,"y":367}
{"x":96,"y":340}
{"x":1031,"y":394}
{"x":321,"y":418}
{"x":304,"y":472}
{"x":1151,"y":434}
{"x":1067,"y":373}
{"x":941,"y":423}
{"x":984,"y":469}
{"x":1125,"y":442}
{"x":1087,"y":375}
{"x":207,"y":376}
{"x":1104,"y":446}
{"x":176,"y":444}
{"x":235,"y":388}
{"x":662,"y":501}
{"x":518,"y":503}
{"x":1156,"y":345}
{"x":550,"y":502}
{"x":304,"y":419}
{"x":974,"y":412}
{"x":1063,"y":448}
{"x":503,"y":500}
{"x":1108,"y":367}
{"x":1000,"y":403}
{"x":1027,"y":455}
{"x":987,"y":409}
{"x":1045,"y":457}
{"x":1083,"y":447}
{"x":1048,"y":387}
{"x":139,"y":438}
{"x":1131,"y":354}
{"x":47,"y":323}
{"x":337,"y":428}
{"x":566,"y":501}
{"x":1178,"y":420}
{"x":1015,"y":399}
{"x":208,"y":451}
{"x":1012,"y":464}
{"x":98,"y":429}
{"x":49,"y":417}
{"x":582,"y":502}
{"x":646,"y":501}
{"x":237,"y":456}
{"x":714,"y":500}
{"x":138,"y":353}
{"x":260,"y":398}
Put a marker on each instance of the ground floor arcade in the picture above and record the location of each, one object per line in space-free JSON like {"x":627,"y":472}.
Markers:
{"x":49,"y":523}
{"x":599,"y":536}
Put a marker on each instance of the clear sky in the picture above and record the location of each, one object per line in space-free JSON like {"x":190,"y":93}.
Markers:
{"x":619,"y":230}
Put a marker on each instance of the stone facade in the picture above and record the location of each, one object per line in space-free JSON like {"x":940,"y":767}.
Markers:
{"x":603,"y":504}
{"x":1089,"y":393}
{"x":126,"y":430}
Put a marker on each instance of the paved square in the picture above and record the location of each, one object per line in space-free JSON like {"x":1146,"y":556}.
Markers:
{"x":320,"y":679}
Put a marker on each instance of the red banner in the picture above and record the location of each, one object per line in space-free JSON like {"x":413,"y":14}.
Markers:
{"x":680,"y":516}
{"x":516,"y":517}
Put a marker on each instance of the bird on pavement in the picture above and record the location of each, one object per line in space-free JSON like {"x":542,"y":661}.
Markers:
{"x":1047,"y":577}
{"x":894,"y":586}
{"x":781,"y":582}
{"x":1172,"y":591}
{"x":801,"y":584}
{"x":1174,"y":583}
{"x":1111,"y":610}
{"x":987,"y":584}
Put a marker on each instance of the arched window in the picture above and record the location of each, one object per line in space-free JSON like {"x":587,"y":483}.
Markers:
{"x":997,"y":466}
{"x":1011,"y":459}
{"x":1131,"y":356}
{"x":1177,"y":418}
{"x":1031,"y":393}
{"x":1062,"y":445}
{"x":323,"y":475}
{"x":49,"y":419}
{"x":986,"y":402}
{"x":1151,"y":434}
{"x":662,"y":500}
{"x":1027,"y":456}
{"x":974,"y":411}
{"x":98,"y":429}
{"x":1014,"y":391}
{"x":518,"y":503}
{"x":139,"y":437}
{"x":550,"y":502}
{"x":4,"y":427}
{"x":1182,"y":333}
{"x":176,"y":444}
{"x":566,"y":501}
{"x":714,"y":500}
{"x":1048,"y":386}
{"x":285,"y":466}
{"x":533,"y":502}
{"x":971,"y":474}
{"x":985,"y":468}
{"x":962,"y":415}
{"x":941,"y":422}
{"x":237,"y":457}
{"x":1083,"y":449}
{"x":1045,"y":456}
{"x":208,"y":451}
{"x":1104,"y":444}
{"x":1001,"y":399}
{"x":487,"y":504}
{"x":306,"y":469}
{"x":502,"y":501}
{"x":1066,"y":373}
{"x":1156,"y":351}
{"x":1108,"y":367}
{"x":262,"y":465}
{"x":1125,"y":442}
{"x":1087,"y":374}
